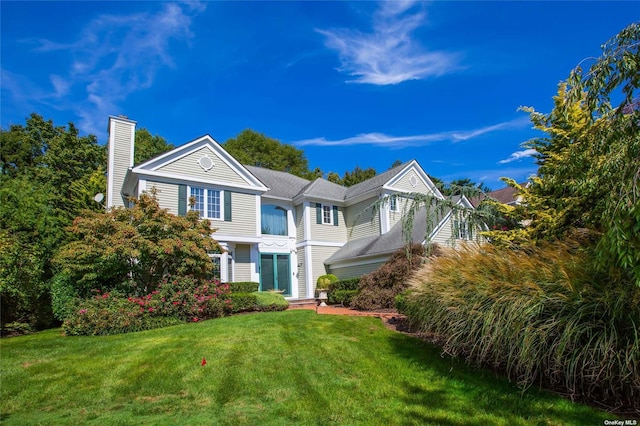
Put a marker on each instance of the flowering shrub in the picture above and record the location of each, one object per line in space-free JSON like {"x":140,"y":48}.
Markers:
{"x":175,"y":300}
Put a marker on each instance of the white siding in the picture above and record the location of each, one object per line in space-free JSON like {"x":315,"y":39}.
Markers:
{"x":243,"y":263}
{"x":299,"y":223}
{"x":404,"y":184}
{"x":122,"y":159}
{"x":243,"y":216}
{"x":167,"y":195}
{"x":319,"y":254}
{"x":359,"y":222}
{"x":188,"y":166}
{"x":443,"y":236}
{"x":325,"y":232}
{"x":395,"y":217}
{"x":302,"y":278}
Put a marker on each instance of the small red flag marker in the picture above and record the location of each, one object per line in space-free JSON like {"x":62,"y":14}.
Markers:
{"x":204,"y":362}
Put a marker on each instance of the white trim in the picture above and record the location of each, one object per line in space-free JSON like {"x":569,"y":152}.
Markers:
{"x":254,"y":257}
{"x":420,"y":175}
{"x":183,"y":178}
{"x":258,"y":215}
{"x":236,"y":239}
{"x":293,"y":268}
{"x":110,"y":164}
{"x":308,"y":259}
{"x":385,"y":219}
{"x":188,"y":148}
{"x":306,"y":207}
{"x":322,"y":208}
{"x":142,"y":187}
{"x":319,"y":243}
{"x":205,"y":202}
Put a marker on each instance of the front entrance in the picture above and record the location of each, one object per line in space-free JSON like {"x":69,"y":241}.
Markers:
{"x":275,"y":273}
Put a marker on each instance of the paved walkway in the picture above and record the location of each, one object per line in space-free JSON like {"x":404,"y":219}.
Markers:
{"x":339,"y":310}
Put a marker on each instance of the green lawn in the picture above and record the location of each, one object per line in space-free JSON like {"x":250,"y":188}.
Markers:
{"x":292,"y":367}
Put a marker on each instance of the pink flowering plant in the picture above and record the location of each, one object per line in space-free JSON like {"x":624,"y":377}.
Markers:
{"x":175,"y":300}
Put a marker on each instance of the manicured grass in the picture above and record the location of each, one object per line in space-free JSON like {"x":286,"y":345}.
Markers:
{"x":292,"y":367}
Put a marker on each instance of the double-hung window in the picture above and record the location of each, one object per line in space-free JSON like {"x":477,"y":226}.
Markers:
{"x":327,"y":214}
{"x":206,"y":202}
{"x":393,"y":203}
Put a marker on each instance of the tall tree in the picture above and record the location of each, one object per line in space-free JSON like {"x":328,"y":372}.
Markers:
{"x":148,"y":146}
{"x":589,"y":160}
{"x":357,"y":175}
{"x":255,"y":149}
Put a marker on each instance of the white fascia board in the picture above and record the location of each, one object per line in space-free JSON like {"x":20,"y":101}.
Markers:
{"x":438,"y":227}
{"x":188,"y":179}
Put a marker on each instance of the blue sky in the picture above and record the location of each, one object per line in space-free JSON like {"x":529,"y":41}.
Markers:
{"x":350,"y":83}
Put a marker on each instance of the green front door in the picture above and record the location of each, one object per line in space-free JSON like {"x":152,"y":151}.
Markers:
{"x":274,"y":273}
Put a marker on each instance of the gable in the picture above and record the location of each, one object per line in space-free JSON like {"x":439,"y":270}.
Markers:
{"x":203,"y":161}
{"x":413,"y":179}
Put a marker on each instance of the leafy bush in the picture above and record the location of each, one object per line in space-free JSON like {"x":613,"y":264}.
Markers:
{"x":112,"y":314}
{"x":64,"y":297}
{"x":542,"y":315}
{"x":378,"y":289}
{"x":342,"y":291}
{"x":243,"y":302}
{"x":325,"y":280}
{"x":175,"y":300}
{"x":343,"y":297}
{"x":15,"y":329}
{"x":244,"y":287}
{"x":268,"y":301}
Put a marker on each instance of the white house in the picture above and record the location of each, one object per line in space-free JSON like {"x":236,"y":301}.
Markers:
{"x":278,"y":229}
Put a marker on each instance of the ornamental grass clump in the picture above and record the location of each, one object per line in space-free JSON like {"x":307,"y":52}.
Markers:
{"x":543,"y":315}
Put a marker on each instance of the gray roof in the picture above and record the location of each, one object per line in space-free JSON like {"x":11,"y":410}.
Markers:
{"x":375,"y":182}
{"x":280,"y":184}
{"x":388,"y":242}
{"x":325,"y":189}
{"x":287,"y":186}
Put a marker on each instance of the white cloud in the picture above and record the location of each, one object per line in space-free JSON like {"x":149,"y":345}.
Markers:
{"x":113,"y":57}
{"x":518,"y":155}
{"x":389,"y":54}
{"x":380,"y":139}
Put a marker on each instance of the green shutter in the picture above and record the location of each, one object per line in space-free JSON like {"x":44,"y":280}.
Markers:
{"x":335,"y":215}
{"x":318,"y":213}
{"x":182,"y":200}
{"x":227,"y":206}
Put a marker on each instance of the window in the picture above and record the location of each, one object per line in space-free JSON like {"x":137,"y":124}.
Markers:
{"x":209,"y":209}
{"x":463,"y":230}
{"x":273,"y":220}
{"x":327,"y":215}
{"x":393,"y":203}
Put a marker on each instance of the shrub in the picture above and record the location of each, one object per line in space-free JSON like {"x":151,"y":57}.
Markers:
{"x":244,"y":287}
{"x":378,"y":289}
{"x":107,"y":314}
{"x":64,"y":296}
{"x":542,"y":315}
{"x":343,"y":297}
{"x":325,"y":280}
{"x":243,"y":302}
{"x":268,"y":301}
{"x":343,"y":291}
{"x":175,"y":300}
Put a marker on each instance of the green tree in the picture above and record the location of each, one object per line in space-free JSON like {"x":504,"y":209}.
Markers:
{"x":357,"y":175}
{"x":255,"y":149}
{"x":589,"y":160}
{"x":132,"y":249}
{"x":148,"y":146}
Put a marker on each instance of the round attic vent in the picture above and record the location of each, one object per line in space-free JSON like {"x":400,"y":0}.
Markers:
{"x":413,"y":180}
{"x":206,"y":163}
